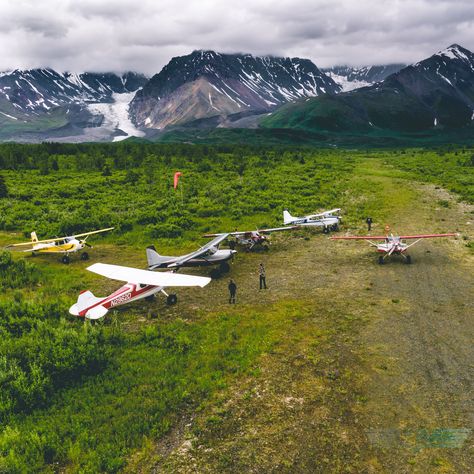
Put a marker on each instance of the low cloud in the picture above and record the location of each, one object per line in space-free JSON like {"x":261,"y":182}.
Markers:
{"x":120,"y":35}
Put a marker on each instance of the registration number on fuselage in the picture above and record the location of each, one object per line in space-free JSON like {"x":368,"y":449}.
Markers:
{"x":121,"y":299}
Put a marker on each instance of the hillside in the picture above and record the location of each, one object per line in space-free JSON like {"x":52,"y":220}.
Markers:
{"x":209,"y":84}
{"x":434,"y":94}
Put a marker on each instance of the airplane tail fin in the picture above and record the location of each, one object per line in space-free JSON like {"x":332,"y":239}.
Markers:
{"x":287,"y":217}
{"x":85,"y":300}
{"x":153,"y":257}
{"x":34,"y":237}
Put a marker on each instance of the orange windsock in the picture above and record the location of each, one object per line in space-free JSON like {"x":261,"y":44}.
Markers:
{"x":176,"y":179}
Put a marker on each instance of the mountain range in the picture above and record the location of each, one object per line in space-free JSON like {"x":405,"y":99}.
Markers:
{"x":436,"y":93}
{"x":213,"y":91}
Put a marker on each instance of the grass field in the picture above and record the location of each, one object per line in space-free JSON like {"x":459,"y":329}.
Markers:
{"x":342,"y":365}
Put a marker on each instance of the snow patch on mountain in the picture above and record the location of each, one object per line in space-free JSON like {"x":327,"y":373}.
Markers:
{"x":116,"y":115}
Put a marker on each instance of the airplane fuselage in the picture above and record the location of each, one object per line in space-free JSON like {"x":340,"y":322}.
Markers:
{"x":219,"y":256}
{"x":68,"y":245}
{"x":323,"y":222}
{"x":126,"y":294}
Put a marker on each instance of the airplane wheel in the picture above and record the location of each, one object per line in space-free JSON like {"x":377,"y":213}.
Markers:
{"x":171,"y":300}
{"x":215,"y":273}
{"x":408,"y":260}
{"x":65,"y":259}
{"x":224,"y":267}
{"x":150,"y":298}
{"x":232,"y":245}
{"x":325,"y":230}
{"x":84,"y":256}
{"x":335,"y":228}
{"x":381,"y":260}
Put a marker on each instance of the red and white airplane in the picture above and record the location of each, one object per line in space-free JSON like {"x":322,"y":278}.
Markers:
{"x":140,"y":284}
{"x":393,"y":245}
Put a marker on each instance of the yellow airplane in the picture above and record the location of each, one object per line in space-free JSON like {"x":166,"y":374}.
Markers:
{"x":59,"y":245}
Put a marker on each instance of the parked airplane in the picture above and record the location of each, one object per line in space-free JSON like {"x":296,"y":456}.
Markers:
{"x":393,"y":245}
{"x":327,"y":220}
{"x":58,"y":245}
{"x":140,"y":284}
{"x":209,"y":254}
{"x":250,"y":239}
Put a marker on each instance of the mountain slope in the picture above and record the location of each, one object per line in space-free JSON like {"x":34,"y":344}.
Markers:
{"x":206,"y":84}
{"x":42,"y":103}
{"x":432,"y":94}
{"x":350,"y":78}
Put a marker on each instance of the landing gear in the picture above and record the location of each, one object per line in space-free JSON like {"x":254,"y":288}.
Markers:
{"x":408,"y":259}
{"x":325,"y":230}
{"x":334,"y":227}
{"x":171,"y":299}
{"x":381,"y":260}
{"x":232,"y":244}
{"x":65,"y":259}
{"x":150,"y":298}
{"x":84,"y":256}
{"x":224,"y":267}
{"x":215,"y":273}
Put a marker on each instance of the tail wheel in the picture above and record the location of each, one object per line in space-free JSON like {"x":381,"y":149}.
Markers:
{"x":215,"y":273}
{"x":381,"y":260}
{"x":224,"y":267}
{"x":65,"y":259}
{"x":84,"y":256}
{"x":408,"y":259}
{"x":171,"y":299}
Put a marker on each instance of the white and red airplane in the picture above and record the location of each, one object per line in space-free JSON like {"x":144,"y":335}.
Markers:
{"x":393,"y":245}
{"x":140,"y":284}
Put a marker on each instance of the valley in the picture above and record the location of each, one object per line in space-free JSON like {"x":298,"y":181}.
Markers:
{"x":341,"y":365}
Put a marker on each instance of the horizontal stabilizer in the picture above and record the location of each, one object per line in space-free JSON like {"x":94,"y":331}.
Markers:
{"x":96,"y":312}
{"x":146,"y":277}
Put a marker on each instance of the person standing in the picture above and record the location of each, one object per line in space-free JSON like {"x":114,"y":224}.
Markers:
{"x":369,"y":223}
{"x":232,"y":291}
{"x":261,"y":272}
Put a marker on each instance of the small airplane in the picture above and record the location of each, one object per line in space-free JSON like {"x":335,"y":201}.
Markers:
{"x":251,"y":239}
{"x":393,"y":245}
{"x":140,"y":284}
{"x":209,"y":254}
{"x":58,"y":245}
{"x":327,"y":220}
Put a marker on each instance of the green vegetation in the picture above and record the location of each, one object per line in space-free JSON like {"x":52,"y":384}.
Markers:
{"x":85,"y":398}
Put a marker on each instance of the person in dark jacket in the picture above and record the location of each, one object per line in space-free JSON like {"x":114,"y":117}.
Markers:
{"x":232,"y":291}
{"x":369,"y":223}
{"x":261,"y":272}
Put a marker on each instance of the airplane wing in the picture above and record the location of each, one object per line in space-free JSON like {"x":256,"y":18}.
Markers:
{"x":361,"y":237}
{"x":427,"y":236}
{"x":30,"y":243}
{"x":146,"y":277}
{"x":278,"y":229}
{"x":198,"y":253}
{"x":260,"y":231}
{"x":323,"y":214}
{"x":93,"y":232}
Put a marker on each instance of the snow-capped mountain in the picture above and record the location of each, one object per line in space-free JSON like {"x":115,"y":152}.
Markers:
{"x":350,"y":78}
{"x":39,"y":90}
{"x":206,"y":84}
{"x":433,"y":94}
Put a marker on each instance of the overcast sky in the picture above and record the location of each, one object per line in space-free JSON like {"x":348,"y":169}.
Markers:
{"x":142,"y":35}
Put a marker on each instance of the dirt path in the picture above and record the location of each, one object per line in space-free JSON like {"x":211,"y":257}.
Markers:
{"x":374,"y":368}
